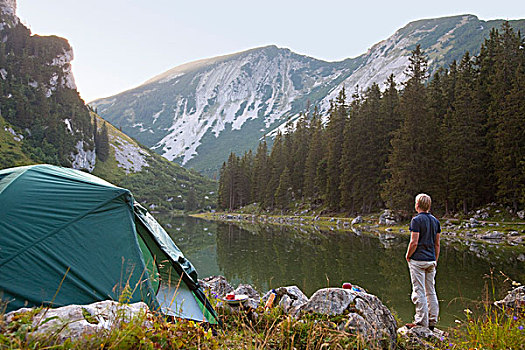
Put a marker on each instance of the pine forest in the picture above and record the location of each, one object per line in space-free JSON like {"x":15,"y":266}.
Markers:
{"x":458,"y":136}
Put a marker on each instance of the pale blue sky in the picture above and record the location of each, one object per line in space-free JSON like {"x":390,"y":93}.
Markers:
{"x":119,"y":44}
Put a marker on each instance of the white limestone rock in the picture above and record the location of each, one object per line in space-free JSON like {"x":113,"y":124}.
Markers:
{"x":76,"y":321}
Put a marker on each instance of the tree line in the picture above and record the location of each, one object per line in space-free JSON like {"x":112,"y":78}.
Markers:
{"x":458,"y":136}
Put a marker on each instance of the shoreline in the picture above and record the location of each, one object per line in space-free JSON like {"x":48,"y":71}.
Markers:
{"x":470,"y":232}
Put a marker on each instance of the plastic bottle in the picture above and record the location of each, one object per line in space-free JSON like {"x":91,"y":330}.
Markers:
{"x":271,"y":298}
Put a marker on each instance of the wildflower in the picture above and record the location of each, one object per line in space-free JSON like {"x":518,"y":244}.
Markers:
{"x":520,"y":328}
{"x":515,"y":318}
{"x":458,"y":321}
{"x":468,"y":311}
{"x":517,"y":284}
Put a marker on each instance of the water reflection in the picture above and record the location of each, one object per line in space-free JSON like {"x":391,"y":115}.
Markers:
{"x":271,"y":256}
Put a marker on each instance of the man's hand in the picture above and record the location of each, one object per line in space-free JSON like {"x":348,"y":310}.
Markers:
{"x":414,"y":238}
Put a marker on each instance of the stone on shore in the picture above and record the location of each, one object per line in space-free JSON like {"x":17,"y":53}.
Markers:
{"x":420,"y":337}
{"x":253,"y":296}
{"x":515,"y":299}
{"x":217,"y":286}
{"x":365,"y":314}
{"x":290,"y":298}
{"x":77,"y":321}
{"x":357,"y":220}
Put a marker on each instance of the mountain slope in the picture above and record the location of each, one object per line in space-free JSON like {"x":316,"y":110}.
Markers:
{"x":198,"y":113}
{"x":43,"y":120}
{"x":156,"y":182}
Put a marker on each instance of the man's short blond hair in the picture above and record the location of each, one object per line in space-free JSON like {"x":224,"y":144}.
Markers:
{"x":423,"y":201}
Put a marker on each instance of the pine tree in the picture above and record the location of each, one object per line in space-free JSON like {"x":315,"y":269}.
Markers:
{"x":349,"y":163}
{"x":335,"y":137}
{"x":412,"y":164}
{"x":261,"y":173}
{"x":191,"y":200}
{"x":245,"y":178}
{"x":283,"y":194}
{"x":276,"y":162}
{"x":465,"y":139}
{"x":223,"y":191}
{"x":102,"y":149}
{"x":507,"y":113}
{"x":300,"y":138}
{"x":316,"y":152}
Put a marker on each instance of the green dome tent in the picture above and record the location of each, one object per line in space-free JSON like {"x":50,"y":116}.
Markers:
{"x":68,"y":237}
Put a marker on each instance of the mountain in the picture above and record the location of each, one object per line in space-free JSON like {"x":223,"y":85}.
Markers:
{"x":199,"y":112}
{"x":44,"y":120}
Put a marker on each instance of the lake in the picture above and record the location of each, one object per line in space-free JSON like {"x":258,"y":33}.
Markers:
{"x":267,"y":256}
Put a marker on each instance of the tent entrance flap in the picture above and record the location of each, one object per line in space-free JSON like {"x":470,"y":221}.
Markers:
{"x":179,"y":293}
{"x":179,"y":301}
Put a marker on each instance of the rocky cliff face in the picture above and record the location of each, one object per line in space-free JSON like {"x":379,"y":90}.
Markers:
{"x":8,"y":6}
{"x":199,"y":112}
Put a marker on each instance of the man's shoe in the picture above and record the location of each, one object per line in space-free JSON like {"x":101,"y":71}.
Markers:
{"x":410,"y":325}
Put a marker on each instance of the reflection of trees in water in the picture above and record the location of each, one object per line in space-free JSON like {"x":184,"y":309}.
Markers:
{"x":273,"y":256}
{"x":282,"y":256}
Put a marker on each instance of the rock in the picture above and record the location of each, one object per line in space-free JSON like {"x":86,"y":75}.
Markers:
{"x":289,"y":298}
{"x":390,"y":222}
{"x":420,"y":337}
{"x":387,"y":217}
{"x":521,"y":257}
{"x":521,"y":214}
{"x":357,"y":220}
{"x":330,"y":301}
{"x":77,"y":321}
{"x":253,"y":296}
{"x":515,"y":299}
{"x":217,"y":286}
{"x":364,"y":313}
{"x":491,"y":235}
{"x":356,"y":324}
{"x":474,"y":222}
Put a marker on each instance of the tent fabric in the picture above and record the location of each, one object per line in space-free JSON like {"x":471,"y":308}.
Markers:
{"x":68,"y":237}
{"x":173,"y":293}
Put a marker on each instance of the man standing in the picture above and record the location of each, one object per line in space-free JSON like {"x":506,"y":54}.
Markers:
{"x":422,"y":256}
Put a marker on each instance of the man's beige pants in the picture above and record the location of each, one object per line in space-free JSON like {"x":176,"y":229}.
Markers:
{"x":422,"y":274}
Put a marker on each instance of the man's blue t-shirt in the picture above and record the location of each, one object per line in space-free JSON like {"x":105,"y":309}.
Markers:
{"x":427,"y":226}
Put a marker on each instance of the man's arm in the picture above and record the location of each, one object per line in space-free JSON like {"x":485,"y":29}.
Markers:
{"x":414,"y":238}
{"x":436,"y":246}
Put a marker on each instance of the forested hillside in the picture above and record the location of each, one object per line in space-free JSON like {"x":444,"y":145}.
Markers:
{"x":38,"y":98}
{"x":458,"y":136}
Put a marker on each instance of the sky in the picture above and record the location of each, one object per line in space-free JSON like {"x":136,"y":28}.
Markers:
{"x":119,"y":44}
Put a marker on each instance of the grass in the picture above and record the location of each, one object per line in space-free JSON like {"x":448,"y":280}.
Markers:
{"x":264,"y":329}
